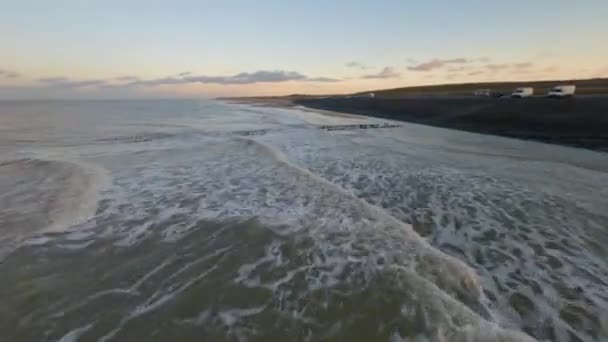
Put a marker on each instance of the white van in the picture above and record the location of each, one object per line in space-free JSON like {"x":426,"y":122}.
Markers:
{"x":562,"y":91}
{"x":523,"y":92}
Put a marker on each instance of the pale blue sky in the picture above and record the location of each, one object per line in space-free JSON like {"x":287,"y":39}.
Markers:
{"x":101,"y":40}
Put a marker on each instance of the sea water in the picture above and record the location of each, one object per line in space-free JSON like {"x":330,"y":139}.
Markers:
{"x":189,"y":220}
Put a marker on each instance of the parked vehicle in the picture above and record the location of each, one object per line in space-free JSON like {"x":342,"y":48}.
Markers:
{"x":562,"y":91}
{"x":523,"y":92}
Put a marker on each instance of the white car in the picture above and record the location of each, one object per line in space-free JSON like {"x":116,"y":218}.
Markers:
{"x":562,"y":91}
{"x":523,"y":92}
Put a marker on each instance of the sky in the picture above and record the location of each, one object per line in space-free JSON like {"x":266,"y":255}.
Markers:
{"x":178,"y":48}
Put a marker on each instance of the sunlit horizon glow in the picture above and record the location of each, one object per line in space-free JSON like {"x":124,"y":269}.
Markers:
{"x":69,"y":49}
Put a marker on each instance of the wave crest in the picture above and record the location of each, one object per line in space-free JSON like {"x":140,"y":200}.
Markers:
{"x":39,"y":196}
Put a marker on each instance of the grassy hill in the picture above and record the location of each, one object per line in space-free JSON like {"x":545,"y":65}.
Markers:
{"x":596,"y":86}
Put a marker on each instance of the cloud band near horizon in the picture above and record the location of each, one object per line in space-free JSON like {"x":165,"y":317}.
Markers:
{"x":260,"y":76}
{"x":8,"y":74}
{"x":437,"y":63}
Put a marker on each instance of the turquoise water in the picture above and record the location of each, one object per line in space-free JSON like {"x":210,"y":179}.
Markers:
{"x":198,"y":220}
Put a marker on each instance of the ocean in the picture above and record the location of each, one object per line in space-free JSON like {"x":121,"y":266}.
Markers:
{"x":187,"y":220}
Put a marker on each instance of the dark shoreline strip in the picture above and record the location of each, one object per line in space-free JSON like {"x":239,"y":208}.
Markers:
{"x":577,"y":122}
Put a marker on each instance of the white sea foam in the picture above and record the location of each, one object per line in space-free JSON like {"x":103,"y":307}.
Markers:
{"x":348,"y":232}
{"x":75,"y":334}
{"x":465,"y":240}
{"x":47,"y":196}
{"x":509,"y":210}
{"x":232,"y":316}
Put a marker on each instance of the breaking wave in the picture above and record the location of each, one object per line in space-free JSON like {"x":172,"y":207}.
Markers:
{"x":229,"y":224}
{"x":45,"y":196}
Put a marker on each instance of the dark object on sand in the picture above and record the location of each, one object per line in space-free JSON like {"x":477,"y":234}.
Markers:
{"x":360,"y":126}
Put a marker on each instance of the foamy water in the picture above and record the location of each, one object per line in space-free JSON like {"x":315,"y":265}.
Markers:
{"x":185,"y":220}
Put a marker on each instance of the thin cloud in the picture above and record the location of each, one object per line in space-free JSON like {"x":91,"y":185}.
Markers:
{"x":128,"y":78}
{"x":456,"y":61}
{"x":358,"y":65}
{"x":8,"y":74}
{"x":497,"y":67}
{"x":427,"y":66}
{"x":323,"y":79}
{"x":412,"y":61}
{"x":160,"y":81}
{"x":261,"y":76}
{"x":86,"y":83}
{"x":437,"y":64}
{"x":65,"y":82}
{"x":458,"y":69}
{"x":551,"y":69}
{"x":387,"y":72}
{"x":475,"y":73}
{"x":54,"y":80}
{"x":521,"y":67}
{"x":185,"y":73}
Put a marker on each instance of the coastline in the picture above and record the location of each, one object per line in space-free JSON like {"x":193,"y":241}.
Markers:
{"x":576,"y":122}
{"x":288,"y":102}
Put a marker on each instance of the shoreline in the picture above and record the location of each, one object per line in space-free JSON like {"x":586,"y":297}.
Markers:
{"x":580,"y":122}
{"x":291,"y":104}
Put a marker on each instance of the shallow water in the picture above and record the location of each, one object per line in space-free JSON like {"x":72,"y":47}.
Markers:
{"x":194,"y":220}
